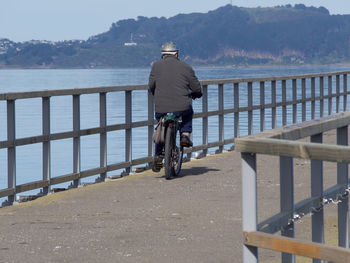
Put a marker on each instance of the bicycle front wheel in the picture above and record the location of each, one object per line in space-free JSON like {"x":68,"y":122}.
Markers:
{"x":177,"y":153}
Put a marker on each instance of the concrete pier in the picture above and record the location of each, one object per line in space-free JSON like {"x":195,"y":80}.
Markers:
{"x":145,"y":218}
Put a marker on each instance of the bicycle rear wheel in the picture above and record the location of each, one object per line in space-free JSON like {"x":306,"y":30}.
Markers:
{"x":168,"y":166}
{"x":173,"y":153}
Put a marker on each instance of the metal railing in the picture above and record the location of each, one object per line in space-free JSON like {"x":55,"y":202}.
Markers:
{"x":282,"y":142}
{"x":235,"y":108}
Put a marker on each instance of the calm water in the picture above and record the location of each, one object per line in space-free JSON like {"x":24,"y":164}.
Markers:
{"x":28,"y":113}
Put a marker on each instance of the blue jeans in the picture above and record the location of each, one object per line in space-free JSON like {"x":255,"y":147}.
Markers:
{"x":186,"y":125}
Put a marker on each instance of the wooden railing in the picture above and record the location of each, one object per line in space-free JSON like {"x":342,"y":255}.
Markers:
{"x":240,"y":90}
{"x":283,"y":142}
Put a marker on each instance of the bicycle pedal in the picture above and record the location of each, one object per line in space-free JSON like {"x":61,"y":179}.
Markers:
{"x":185,"y":141}
{"x":157,"y":165}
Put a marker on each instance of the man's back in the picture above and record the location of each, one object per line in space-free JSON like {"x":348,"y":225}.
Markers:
{"x":171,"y":81}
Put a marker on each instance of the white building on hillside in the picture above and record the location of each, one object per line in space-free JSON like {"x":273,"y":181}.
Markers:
{"x":131,"y":43}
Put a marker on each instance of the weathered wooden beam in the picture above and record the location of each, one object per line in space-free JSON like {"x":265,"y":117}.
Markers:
{"x":292,"y":132}
{"x":93,"y":171}
{"x":64,"y":178}
{"x":80,"y":91}
{"x":67,"y":92}
{"x":240,"y":80}
{"x":312,"y":127}
{"x":295,"y":149}
{"x":269,"y":105}
{"x":31,"y":186}
{"x":209,"y":145}
{"x":118,"y":166}
{"x":307,"y":128}
{"x":71,"y":134}
{"x":7,"y":192}
{"x":142,"y":160}
{"x":297,"y":247}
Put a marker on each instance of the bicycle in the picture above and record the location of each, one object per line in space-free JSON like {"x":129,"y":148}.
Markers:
{"x":173,"y":151}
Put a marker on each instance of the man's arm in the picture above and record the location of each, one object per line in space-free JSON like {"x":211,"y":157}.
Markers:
{"x":152,"y":81}
{"x":195,"y":86}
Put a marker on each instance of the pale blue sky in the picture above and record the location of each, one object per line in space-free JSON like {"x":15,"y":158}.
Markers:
{"x":22,"y":20}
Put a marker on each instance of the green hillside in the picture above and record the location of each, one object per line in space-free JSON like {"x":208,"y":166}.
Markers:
{"x":226,"y":36}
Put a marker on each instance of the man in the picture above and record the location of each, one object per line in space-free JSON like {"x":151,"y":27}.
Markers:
{"x":173,"y":84}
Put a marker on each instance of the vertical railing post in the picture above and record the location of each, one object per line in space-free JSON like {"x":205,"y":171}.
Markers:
{"x":236,"y":108}
{"x":284,"y":102}
{"x":46,"y":144}
{"x":287,"y":199}
{"x":303,"y":95}
{"x":128,"y":130}
{"x":294,"y":87}
{"x":76,"y":139}
{"x":330,"y":95}
{"x":249,"y":203}
{"x":250,"y":107}
{"x":317,"y":192}
{"x":262,"y":105}
{"x":11,"y":151}
{"x":150,"y":105}
{"x":221,"y":115}
{"x":273,"y":102}
{"x":342,"y":179}
{"x":313,"y":95}
{"x":205,"y":118}
{"x":321,"y":96}
{"x":103,"y":134}
{"x":345,"y":90}
{"x":337,"y":90}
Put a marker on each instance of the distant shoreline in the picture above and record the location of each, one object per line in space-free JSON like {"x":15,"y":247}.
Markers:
{"x":341,"y":64}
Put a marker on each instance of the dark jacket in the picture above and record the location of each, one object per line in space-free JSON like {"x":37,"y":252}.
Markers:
{"x":171,"y":81}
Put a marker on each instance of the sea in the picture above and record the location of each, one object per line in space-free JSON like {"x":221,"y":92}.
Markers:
{"x":28,"y":113}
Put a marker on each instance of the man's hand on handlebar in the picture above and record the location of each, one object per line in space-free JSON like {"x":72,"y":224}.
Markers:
{"x":195,"y":95}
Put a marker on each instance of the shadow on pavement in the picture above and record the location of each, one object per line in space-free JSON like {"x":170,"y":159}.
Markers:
{"x":193,"y":171}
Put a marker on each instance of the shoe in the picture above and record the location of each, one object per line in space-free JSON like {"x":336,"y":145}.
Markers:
{"x":186,"y":141}
{"x":157,"y":163}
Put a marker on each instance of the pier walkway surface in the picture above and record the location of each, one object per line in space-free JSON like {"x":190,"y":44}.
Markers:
{"x":145,"y":218}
